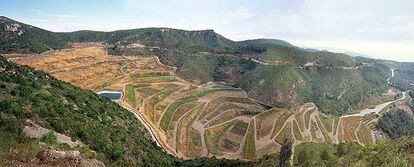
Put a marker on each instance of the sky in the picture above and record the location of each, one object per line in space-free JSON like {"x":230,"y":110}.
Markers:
{"x":381,"y":29}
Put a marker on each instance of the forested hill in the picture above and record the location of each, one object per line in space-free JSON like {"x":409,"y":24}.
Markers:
{"x":22,"y":38}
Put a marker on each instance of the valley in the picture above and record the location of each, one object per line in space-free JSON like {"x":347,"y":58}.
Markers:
{"x":190,"y":120}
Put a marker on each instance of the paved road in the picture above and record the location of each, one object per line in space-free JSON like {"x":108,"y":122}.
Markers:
{"x":377,"y":109}
{"x":380,"y":107}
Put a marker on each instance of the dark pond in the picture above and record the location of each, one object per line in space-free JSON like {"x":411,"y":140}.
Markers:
{"x":111,"y":95}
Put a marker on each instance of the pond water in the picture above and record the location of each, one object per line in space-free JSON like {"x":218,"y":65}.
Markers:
{"x":113,"y":95}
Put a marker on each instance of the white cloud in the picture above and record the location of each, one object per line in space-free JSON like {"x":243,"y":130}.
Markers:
{"x":237,"y":14}
{"x":63,"y":17}
{"x":398,"y":51}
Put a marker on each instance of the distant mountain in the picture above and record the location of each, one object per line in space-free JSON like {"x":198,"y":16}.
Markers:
{"x":354,"y":54}
{"x":18,"y":37}
{"x":267,"y":41}
{"x":311,"y":49}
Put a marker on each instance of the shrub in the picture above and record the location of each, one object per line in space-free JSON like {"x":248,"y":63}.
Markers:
{"x":49,"y":138}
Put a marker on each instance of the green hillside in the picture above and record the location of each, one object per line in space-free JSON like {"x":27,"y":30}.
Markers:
{"x":266,"y":41}
{"x":111,"y":131}
{"x":16,"y":37}
{"x":386,"y":153}
{"x":19,"y":37}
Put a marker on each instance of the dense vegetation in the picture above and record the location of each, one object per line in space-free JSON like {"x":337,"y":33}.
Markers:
{"x":28,"y":39}
{"x":411,"y":93}
{"x":397,"y":123}
{"x":255,"y":42}
{"x":404,"y":77}
{"x":386,"y":153}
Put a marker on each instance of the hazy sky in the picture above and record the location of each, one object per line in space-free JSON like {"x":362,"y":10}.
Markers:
{"x":378,"y":28}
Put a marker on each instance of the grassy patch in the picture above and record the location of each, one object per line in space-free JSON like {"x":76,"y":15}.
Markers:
{"x":151,"y":102}
{"x":172,"y":108}
{"x":49,"y":138}
{"x":299,"y":119}
{"x":336,"y":123}
{"x":313,"y":130}
{"x":187,"y":138}
{"x":315,"y":154}
{"x":213,"y":137}
{"x":195,"y":137}
{"x":130,"y":95}
{"x":296,"y":131}
{"x":323,"y":130}
{"x":249,"y":149}
{"x":286,"y":133}
{"x":307,"y":117}
{"x":166,"y":119}
{"x":364,"y":135}
{"x":281,"y":119}
{"x":150,"y":74}
{"x":326,"y":122}
{"x":259,"y":118}
{"x":156,"y":79}
{"x":240,"y":128}
{"x":369,"y":117}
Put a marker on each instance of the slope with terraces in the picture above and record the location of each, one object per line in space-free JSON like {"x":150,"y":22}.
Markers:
{"x":192,"y":120}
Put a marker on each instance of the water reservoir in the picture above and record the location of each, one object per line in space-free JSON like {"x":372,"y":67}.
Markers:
{"x":113,"y":95}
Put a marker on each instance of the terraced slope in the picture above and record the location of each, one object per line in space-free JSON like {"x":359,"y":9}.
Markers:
{"x":191,"y":120}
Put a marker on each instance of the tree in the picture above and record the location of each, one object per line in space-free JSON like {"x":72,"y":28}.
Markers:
{"x":285,"y":152}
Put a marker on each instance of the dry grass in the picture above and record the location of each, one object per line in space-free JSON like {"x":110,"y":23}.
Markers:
{"x":348,"y":127}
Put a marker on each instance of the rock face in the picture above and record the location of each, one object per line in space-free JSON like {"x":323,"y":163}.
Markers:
{"x":52,"y":155}
{"x":70,"y":158}
{"x":10,"y":30}
{"x":12,"y":27}
{"x":36,"y":131}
